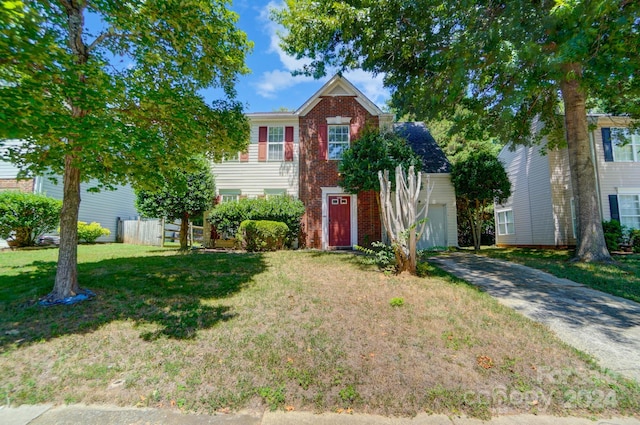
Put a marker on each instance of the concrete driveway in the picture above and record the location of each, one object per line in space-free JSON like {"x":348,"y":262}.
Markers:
{"x":605,"y":326}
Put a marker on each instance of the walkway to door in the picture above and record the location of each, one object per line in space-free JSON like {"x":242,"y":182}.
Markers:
{"x":605,"y":326}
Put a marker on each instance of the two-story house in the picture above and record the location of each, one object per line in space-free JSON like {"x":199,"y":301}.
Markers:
{"x":541,"y":211}
{"x":298,"y":153}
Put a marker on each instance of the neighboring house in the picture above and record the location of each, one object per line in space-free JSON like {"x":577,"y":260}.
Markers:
{"x":103,"y":207}
{"x":541,"y":213}
{"x":298,"y":153}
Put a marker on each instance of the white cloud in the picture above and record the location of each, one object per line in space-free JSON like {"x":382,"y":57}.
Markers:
{"x":274,"y":82}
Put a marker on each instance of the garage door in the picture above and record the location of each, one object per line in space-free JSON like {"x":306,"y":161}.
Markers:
{"x":435,"y":232}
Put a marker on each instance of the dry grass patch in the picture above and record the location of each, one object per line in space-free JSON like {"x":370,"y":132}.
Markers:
{"x":302,"y":330}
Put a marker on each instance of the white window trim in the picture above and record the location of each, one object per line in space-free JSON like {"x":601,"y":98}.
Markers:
{"x":498,"y":212}
{"x":634,"y":143}
{"x":326,"y":191}
{"x":274,"y":192}
{"x":229,"y":192}
{"x":338,"y":120}
{"x":622,"y":221}
{"x":278,"y":143}
{"x":347,"y":143}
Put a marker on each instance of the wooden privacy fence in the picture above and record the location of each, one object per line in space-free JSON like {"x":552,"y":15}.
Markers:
{"x":154,"y":232}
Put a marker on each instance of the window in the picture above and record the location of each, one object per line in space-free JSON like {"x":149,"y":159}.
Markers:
{"x":229,"y":195}
{"x":275,"y":141}
{"x":626,"y":145}
{"x":629,"y":210}
{"x":505,"y":223}
{"x":338,"y":140}
{"x":270,"y":193}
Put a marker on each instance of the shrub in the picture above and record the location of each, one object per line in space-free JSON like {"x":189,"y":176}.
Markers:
{"x":226,"y":217}
{"x":613,"y":232}
{"x":635,"y":240}
{"x":262,"y":235}
{"x":90,"y":232}
{"x":25,"y":216}
{"x":379,"y":254}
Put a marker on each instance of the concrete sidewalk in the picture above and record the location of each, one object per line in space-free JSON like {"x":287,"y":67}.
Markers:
{"x":603,"y":325}
{"x":104,"y":415}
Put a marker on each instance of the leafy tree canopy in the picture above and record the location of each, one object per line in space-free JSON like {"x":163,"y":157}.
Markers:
{"x":494,"y":67}
{"x":479,"y":179}
{"x":182,"y":195}
{"x":110,"y":90}
{"x":119,"y":97}
{"x":501,"y":61}
{"x":372,"y":152}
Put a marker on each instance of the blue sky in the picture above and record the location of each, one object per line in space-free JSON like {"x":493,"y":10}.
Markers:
{"x":270,"y":85}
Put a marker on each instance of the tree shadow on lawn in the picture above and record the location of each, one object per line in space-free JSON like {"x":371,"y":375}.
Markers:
{"x":174,"y":293}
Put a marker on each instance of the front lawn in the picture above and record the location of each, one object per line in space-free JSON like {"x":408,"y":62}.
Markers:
{"x":621,"y":278}
{"x":208,"y":332}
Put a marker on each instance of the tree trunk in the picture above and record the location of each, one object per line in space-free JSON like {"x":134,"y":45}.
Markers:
{"x":591,"y":244}
{"x":184,"y":230}
{"x":66,"y":284}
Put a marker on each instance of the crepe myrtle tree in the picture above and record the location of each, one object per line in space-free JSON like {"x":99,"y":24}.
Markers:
{"x":182,"y":195}
{"x":109,"y":91}
{"x":506,"y":64}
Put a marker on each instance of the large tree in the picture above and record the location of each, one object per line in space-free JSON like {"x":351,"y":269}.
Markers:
{"x":374,"y":151}
{"x":182,"y":196}
{"x":109,"y":90}
{"x":507,"y":63}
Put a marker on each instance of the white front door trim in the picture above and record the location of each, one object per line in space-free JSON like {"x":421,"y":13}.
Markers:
{"x":326,"y":191}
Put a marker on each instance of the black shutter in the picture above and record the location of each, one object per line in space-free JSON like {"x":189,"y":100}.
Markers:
{"x":613,"y":207}
{"x":606,"y":143}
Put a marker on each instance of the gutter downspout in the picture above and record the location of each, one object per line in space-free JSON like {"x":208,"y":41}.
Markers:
{"x":592,"y":148}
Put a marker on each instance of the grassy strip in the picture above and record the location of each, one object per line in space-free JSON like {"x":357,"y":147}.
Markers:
{"x":208,"y":332}
{"x":621,"y":278}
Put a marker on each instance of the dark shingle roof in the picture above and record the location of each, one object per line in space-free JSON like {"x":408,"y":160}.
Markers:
{"x":423,"y":143}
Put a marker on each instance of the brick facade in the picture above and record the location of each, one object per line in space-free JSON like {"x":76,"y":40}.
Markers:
{"x":21,"y":185}
{"x":316,"y":172}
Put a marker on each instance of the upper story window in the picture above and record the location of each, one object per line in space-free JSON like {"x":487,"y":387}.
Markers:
{"x":275,"y":139}
{"x":505,"y":222}
{"x":338,"y":140}
{"x":626,"y":145}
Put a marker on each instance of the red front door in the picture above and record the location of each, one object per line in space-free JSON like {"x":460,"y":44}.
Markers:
{"x":340,"y":220}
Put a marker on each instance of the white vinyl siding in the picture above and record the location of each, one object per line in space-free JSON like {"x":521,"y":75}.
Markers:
{"x":7,"y":169}
{"x":505,"y":222}
{"x":338,"y":140}
{"x":613,"y":177}
{"x":442,"y":226}
{"x":629,"y":207}
{"x":253,"y":177}
{"x":102,"y":207}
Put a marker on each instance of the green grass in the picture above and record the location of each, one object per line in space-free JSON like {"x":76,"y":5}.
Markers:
{"x":207,"y":332}
{"x":621,"y":278}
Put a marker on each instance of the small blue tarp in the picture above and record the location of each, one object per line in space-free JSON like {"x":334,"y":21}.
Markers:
{"x":84,"y":295}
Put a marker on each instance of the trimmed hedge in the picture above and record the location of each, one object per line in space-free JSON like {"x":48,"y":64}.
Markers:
{"x":226,"y":217}
{"x":262,"y":235}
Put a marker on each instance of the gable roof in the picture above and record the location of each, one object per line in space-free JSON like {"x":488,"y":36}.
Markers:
{"x":339,"y":86}
{"x":422,"y":142}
